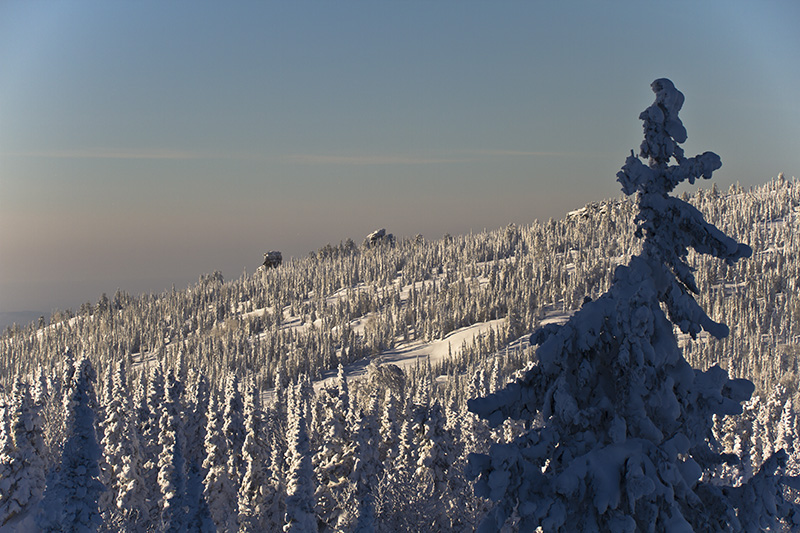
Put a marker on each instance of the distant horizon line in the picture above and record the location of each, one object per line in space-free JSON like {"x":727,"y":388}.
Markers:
{"x":166,"y":283}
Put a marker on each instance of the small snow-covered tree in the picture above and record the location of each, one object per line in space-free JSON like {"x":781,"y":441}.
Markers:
{"x":149,"y":415}
{"x":786,"y":432}
{"x":364,"y":475}
{"x":333,"y":461}
{"x":436,"y":454}
{"x":475,"y":431}
{"x":389,"y":431}
{"x":254,"y":455}
{"x":196,"y":420}
{"x":300,"y":483}
{"x":70,"y":500}
{"x":623,"y":431}
{"x":233,"y":428}
{"x":399,"y":502}
{"x":5,"y":433}
{"x":171,"y":462}
{"x":344,"y":390}
{"x":127,"y":504}
{"x":496,"y":376}
{"x":274,"y":489}
{"x":220,"y":491}
{"x":406,"y":448}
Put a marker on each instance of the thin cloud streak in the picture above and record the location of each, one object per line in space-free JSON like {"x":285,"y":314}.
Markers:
{"x":524,"y":153}
{"x":463,"y":156}
{"x":102,"y":153}
{"x":316,"y":159}
{"x":177,"y":155}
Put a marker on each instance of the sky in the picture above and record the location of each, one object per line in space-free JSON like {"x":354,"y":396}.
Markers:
{"x":143,"y":144}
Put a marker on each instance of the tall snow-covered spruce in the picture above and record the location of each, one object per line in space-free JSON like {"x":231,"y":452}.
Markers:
{"x":72,"y":494}
{"x":22,"y":466}
{"x":620,"y":434}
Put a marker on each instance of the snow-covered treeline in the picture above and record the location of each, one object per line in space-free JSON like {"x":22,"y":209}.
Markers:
{"x":757,"y":298}
{"x":396,"y":443}
{"x":385,"y":452}
{"x":344,"y":303}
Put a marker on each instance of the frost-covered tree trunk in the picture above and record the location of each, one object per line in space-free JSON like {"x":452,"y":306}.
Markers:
{"x":70,"y":500}
{"x":627,"y":423}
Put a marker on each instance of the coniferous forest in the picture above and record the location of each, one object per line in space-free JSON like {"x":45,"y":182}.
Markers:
{"x":514,"y":379}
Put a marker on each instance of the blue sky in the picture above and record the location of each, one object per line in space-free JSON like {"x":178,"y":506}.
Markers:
{"x":145,"y":143}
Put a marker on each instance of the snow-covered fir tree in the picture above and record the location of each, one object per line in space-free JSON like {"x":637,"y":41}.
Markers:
{"x":275,"y":488}
{"x":622,"y":423}
{"x":220,"y":492}
{"x":233,"y":428}
{"x":300,"y":516}
{"x":126,"y":505}
{"x":70,"y":499}
{"x":389,"y":449}
{"x":196,"y":420}
{"x":149,"y":416}
{"x":366,"y":470}
{"x":252,"y":490}
{"x":333,"y":462}
{"x":171,"y":461}
{"x":5,"y":433}
{"x":22,"y":464}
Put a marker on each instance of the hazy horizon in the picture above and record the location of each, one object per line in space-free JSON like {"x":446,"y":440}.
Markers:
{"x":144,"y":144}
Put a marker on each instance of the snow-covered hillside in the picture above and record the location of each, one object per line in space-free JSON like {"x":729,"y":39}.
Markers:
{"x":366,"y":301}
{"x":223,"y":369}
{"x":438,"y":309}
